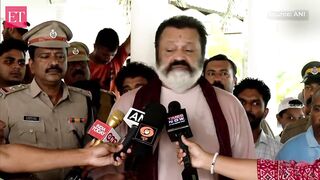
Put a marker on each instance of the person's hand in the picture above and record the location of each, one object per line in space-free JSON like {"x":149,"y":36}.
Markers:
{"x":102,"y":155}
{"x":2,"y":138}
{"x":199,"y":158}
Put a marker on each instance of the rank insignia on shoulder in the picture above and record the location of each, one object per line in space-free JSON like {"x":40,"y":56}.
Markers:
{"x":77,"y":120}
{"x":8,"y":90}
{"x":81,"y":91}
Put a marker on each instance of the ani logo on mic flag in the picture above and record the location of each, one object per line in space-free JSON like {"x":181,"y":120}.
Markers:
{"x":133,"y":117}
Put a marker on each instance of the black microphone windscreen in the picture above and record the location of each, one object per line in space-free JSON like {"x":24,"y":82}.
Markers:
{"x":156,"y":115}
{"x":149,"y":128}
{"x":174,"y":106}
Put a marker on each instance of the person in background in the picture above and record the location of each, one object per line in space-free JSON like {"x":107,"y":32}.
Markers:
{"x":15,"y":33}
{"x":78,"y":75}
{"x":289,"y":111}
{"x":248,"y":169}
{"x":221,"y":72}
{"x":254,"y":95}
{"x":134,"y":75}
{"x":311,"y":78}
{"x":107,"y":58}
{"x":305,"y":146}
{"x":12,"y":63}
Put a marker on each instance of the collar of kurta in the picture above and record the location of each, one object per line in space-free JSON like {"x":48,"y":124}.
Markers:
{"x":150,"y":93}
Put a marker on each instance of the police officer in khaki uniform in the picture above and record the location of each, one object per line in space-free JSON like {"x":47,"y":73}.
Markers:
{"x":311,"y":79}
{"x":46,"y":113}
{"x":78,"y":74}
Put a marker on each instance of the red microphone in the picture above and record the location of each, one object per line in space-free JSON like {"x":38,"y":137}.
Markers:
{"x":104,"y":132}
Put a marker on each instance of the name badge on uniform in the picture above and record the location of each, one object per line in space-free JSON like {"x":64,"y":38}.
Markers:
{"x":31,"y":118}
{"x":77,"y":120}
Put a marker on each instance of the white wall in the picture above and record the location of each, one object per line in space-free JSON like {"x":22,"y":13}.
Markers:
{"x":83,"y":17}
{"x":281,"y":45}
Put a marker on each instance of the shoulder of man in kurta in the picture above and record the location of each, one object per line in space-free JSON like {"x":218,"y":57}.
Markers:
{"x":80,"y":91}
{"x":5,"y":91}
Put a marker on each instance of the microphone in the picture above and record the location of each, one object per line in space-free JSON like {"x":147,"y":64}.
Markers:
{"x":177,"y":125}
{"x":132,"y":119}
{"x":149,"y":129}
{"x":104,"y":132}
{"x":146,"y":138}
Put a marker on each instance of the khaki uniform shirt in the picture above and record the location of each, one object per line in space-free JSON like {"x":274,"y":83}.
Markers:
{"x":32,"y":119}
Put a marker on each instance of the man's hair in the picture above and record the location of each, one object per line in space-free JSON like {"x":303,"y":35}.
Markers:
{"x":251,"y":83}
{"x":221,"y":57}
{"x":108,"y":38}
{"x":11,"y":43}
{"x":183,"y":22}
{"x":132,"y":70}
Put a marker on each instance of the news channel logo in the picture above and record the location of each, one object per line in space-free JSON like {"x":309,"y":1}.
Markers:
{"x":15,"y":16}
{"x":289,"y":15}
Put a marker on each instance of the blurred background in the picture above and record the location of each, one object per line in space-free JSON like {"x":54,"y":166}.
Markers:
{"x":270,"y":40}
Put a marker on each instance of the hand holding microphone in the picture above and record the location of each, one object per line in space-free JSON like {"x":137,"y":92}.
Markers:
{"x":102,"y":133}
{"x":177,"y":125}
{"x":145,"y":128}
{"x":199,"y":157}
{"x":132,"y":119}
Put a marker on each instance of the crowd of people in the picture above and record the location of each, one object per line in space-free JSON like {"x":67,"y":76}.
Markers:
{"x":64,"y":88}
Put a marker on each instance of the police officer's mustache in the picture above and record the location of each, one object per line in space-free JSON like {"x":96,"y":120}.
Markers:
{"x":55,"y":68}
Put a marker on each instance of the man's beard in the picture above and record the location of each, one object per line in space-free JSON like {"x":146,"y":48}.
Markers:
{"x":254,"y":121}
{"x":179,"y":80}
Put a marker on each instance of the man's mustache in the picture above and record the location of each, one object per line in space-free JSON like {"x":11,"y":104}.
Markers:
{"x":218,"y":84}
{"x":251,"y":117}
{"x":56,"y":68}
{"x":179,"y":62}
{"x":253,"y":120}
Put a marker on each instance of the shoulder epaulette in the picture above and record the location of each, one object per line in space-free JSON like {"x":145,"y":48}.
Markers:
{"x":81,"y":91}
{"x":111,"y":93}
{"x":12,"y":89}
